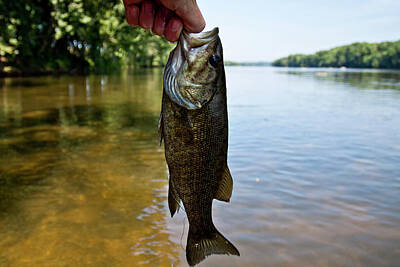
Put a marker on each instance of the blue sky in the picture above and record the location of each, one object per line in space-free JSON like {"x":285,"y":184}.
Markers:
{"x":257,"y":30}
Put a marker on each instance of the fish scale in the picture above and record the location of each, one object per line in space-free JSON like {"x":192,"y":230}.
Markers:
{"x":194,"y":127}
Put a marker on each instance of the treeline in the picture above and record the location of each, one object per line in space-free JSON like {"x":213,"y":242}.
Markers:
{"x":75,"y":36}
{"x":385,"y":55}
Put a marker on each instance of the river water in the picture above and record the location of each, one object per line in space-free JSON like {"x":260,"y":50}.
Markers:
{"x":314,"y":153}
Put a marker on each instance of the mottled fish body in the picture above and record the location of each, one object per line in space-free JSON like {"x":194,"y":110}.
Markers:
{"x":194,"y":127}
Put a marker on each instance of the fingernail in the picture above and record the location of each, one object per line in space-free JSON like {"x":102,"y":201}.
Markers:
{"x":133,"y":11}
{"x":175,"y":26}
{"x":147,"y":15}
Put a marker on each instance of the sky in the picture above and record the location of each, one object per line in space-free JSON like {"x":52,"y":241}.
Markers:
{"x":264,"y":30}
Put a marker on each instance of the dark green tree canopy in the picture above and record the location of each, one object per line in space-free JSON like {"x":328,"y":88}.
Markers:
{"x":73,"y":36}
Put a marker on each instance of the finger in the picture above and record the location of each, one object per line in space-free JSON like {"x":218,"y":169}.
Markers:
{"x":161,"y":20}
{"x":189,"y":12}
{"x":132,"y":2}
{"x":173,"y":29}
{"x":192,"y":18}
{"x":132,"y":15}
{"x":147,"y":13}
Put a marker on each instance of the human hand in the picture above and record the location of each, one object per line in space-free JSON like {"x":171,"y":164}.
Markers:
{"x":165,"y":17}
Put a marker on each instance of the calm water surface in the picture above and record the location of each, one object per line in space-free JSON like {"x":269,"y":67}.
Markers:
{"x":315,"y":156}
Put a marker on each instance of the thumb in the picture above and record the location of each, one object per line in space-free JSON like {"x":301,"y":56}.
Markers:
{"x":189,"y":12}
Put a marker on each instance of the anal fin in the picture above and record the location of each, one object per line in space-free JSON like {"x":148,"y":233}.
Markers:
{"x":224,"y":192}
{"x":173,"y":200}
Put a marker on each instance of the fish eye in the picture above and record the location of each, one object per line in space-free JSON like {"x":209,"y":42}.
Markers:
{"x":214,"y":60}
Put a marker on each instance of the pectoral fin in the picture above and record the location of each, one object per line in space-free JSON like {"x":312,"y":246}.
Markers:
{"x":225,"y":187}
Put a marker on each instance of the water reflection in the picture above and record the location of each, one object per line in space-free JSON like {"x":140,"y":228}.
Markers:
{"x":314,"y":157}
{"x":369,"y":79}
{"x":82,"y":180}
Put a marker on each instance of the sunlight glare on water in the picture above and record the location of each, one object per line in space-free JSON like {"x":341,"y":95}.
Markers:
{"x":314,"y":154}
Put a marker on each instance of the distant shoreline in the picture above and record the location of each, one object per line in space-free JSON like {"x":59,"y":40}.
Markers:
{"x":384,"y":55}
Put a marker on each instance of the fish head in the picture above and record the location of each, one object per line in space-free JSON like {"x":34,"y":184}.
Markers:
{"x":196,"y":69}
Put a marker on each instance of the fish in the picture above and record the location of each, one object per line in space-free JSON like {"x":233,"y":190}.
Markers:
{"x":194,"y":127}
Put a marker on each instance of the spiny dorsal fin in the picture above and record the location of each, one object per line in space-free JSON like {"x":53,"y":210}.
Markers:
{"x":173,"y":200}
{"x":225,"y":187}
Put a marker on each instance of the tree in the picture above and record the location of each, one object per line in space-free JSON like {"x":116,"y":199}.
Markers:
{"x":356,"y":55}
{"x":73,"y":36}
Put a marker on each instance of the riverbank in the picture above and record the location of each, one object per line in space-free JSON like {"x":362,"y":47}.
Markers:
{"x":16,"y":73}
{"x":384,"y":55}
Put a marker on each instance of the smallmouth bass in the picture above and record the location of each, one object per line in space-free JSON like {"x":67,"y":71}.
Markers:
{"x":194,"y":127}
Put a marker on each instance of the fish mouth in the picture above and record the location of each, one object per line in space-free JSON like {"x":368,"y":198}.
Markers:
{"x":178,"y":56}
{"x":193,"y":40}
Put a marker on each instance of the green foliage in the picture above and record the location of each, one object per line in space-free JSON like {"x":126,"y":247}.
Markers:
{"x":385,"y":55}
{"x":74,"y":36}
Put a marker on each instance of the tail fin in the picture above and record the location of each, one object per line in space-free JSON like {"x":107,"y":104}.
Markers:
{"x":200,"y":247}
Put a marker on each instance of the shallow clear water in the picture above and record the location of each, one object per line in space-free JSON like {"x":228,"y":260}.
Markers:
{"x":315,"y":156}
